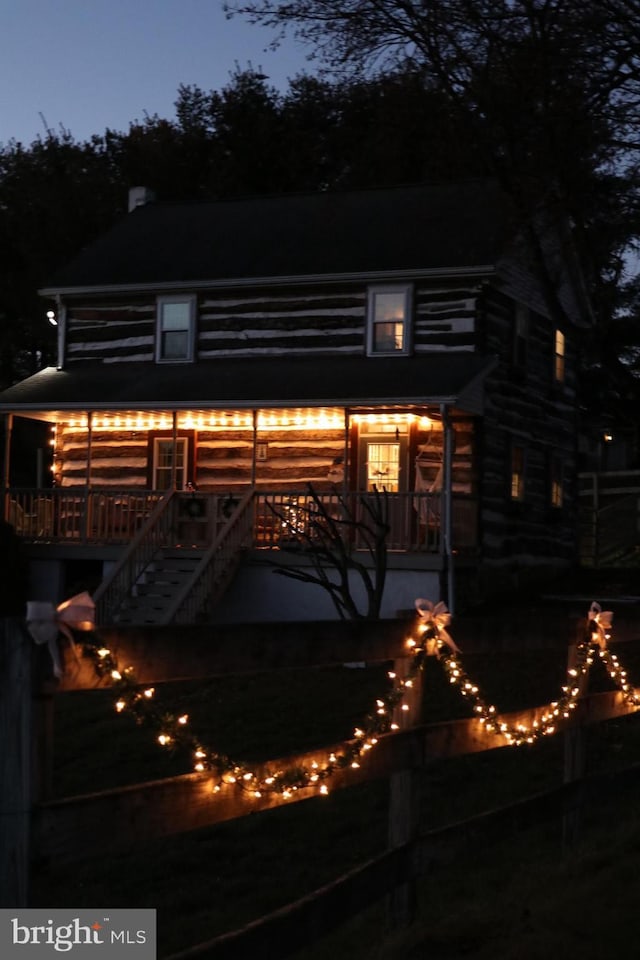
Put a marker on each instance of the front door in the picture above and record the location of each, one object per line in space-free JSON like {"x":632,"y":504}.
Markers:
{"x":383,"y":455}
{"x":382,"y":464}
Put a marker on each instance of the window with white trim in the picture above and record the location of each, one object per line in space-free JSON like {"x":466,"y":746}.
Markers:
{"x":556,"y":481}
{"x":388,"y":320}
{"x":175,"y":330}
{"x":169,"y":463}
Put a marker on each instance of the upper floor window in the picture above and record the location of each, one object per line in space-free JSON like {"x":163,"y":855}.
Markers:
{"x":388,"y":319}
{"x":175,"y":328}
{"x":517,"y":472}
{"x":559,"y":357}
{"x":556,"y":481}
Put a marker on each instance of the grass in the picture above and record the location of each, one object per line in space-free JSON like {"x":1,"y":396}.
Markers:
{"x":511,"y":897}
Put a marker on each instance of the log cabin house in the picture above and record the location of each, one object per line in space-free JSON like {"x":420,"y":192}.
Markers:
{"x":214,"y":359}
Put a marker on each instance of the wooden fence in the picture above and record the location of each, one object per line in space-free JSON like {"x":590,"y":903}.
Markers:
{"x":66,"y":829}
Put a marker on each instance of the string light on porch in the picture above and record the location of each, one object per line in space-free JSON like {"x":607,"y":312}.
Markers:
{"x":226,"y":420}
{"x":55,"y":463}
{"x":394,"y":419}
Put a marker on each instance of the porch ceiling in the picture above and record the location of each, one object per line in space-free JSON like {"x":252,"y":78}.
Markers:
{"x":248,"y":383}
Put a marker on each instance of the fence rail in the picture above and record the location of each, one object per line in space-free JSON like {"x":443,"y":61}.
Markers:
{"x":65,"y":829}
{"x":287,"y":930}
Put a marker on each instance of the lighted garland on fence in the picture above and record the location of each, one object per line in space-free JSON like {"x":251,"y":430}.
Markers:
{"x":172,"y":730}
{"x":594,"y":643}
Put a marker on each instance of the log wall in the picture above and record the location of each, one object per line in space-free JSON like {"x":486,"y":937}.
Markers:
{"x":310,"y":320}
{"x":524,"y":405}
{"x":223,"y":458}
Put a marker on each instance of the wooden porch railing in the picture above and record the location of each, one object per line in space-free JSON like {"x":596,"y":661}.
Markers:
{"x":117,"y":516}
{"x":413,"y":518}
{"x":64,"y":514}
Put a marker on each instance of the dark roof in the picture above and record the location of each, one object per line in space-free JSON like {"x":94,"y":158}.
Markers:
{"x":249,"y":383}
{"x":424,"y":227}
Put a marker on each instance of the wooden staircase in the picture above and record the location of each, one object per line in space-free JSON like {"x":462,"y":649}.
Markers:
{"x":163,"y":578}
{"x":154,"y":595}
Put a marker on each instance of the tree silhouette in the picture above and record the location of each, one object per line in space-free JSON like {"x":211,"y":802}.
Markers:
{"x":335,"y":540}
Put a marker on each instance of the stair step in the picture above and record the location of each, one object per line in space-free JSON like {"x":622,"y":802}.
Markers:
{"x":186,"y":564}
{"x":169,"y":573}
{"x":170,"y":577}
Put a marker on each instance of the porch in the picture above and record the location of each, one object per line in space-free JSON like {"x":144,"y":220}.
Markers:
{"x":112,"y":517}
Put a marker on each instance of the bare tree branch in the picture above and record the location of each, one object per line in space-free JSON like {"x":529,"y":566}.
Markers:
{"x":336,"y":546}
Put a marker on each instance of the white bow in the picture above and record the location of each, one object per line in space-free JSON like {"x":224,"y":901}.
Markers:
{"x":438,"y":616}
{"x":45,"y":622}
{"x":602,"y":620}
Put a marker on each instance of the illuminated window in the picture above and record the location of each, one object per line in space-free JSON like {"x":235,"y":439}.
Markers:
{"x":556,"y":482}
{"x":558,"y":363}
{"x":517,"y":472}
{"x":169,"y":461}
{"x":388,"y":320}
{"x":383,"y":466}
{"x":175,"y":329}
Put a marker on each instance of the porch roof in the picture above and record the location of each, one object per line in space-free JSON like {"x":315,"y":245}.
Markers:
{"x":454,"y":379}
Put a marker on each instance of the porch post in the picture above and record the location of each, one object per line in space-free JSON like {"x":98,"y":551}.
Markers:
{"x":446,"y":511}
{"x":87,"y":498}
{"x":346,"y":466}
{"x":61,"y":317}
{"x":174,"y":439}
{"x":89,"y":444}
{"x":253,"y":451}
{"x":6,"y":469}
{"x":16,"y":772}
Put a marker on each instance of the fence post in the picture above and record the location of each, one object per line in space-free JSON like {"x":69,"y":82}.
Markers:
{"x":575,"y":750}
{"x":404,"y":800}
{"x":16,"y":650}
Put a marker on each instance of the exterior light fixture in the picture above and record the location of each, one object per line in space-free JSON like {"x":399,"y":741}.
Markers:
{"x":51,"y":317}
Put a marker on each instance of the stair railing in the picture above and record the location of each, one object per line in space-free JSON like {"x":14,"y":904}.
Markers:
{"x":153,"y":535}
{"x":616,"y":533}
{"x":213,"y":573}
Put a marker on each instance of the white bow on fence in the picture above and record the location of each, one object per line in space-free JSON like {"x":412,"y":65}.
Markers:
{"x":599,"y":622}
{"x":438,"y":616}
{"x":45,"y":622}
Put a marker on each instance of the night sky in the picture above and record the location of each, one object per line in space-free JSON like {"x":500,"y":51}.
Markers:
{"x":89,"y":65}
